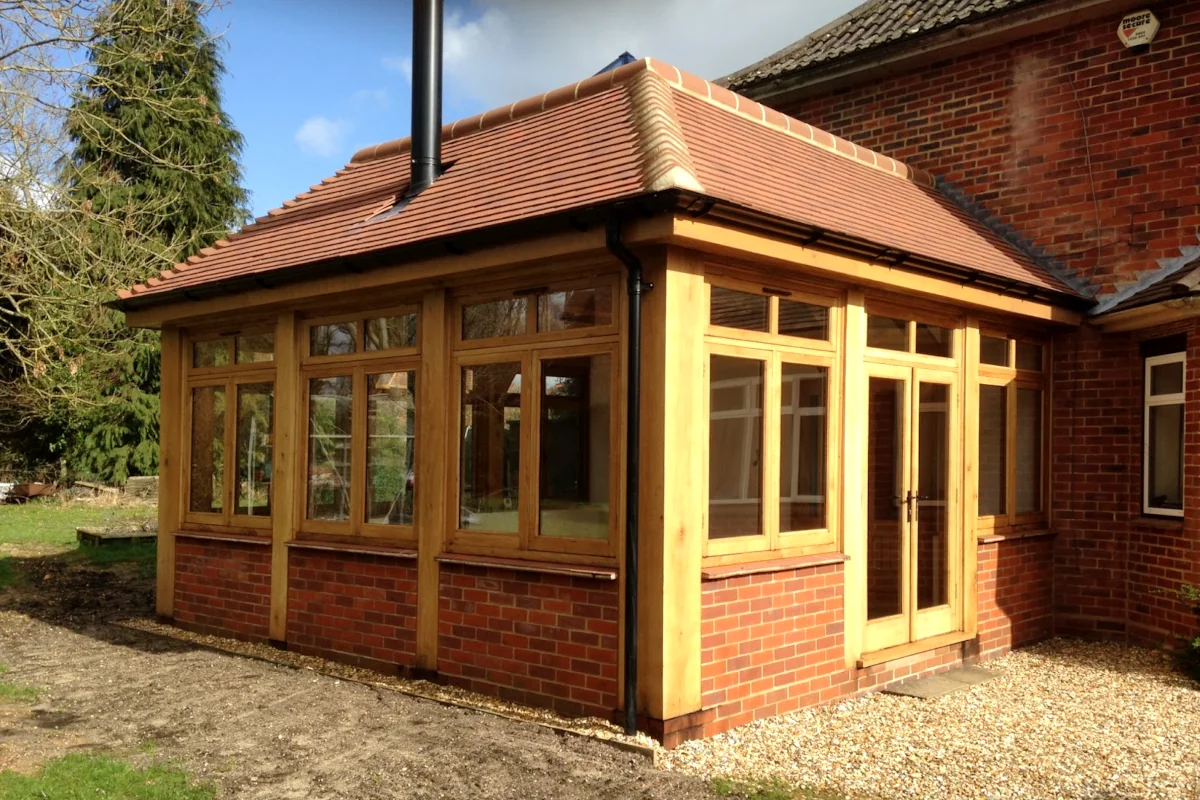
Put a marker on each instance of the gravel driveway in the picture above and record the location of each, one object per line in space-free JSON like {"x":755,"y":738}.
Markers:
{"x":1063,"y":720}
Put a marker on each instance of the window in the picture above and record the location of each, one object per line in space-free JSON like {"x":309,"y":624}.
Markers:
{"x":1163,"y":434}
{"x":886,"y":332}
{"x":1012,"y":432}
{"x":770,"y":379}
{"x":360,"y":379}
{"x":536,"y":384}
{"x":230,"y":417}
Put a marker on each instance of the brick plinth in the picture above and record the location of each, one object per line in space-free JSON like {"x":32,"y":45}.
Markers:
{"x":539,"y":639}
{"x":1016,"y":594}
{"x":223,"y":588}
{"x":352,"y":607}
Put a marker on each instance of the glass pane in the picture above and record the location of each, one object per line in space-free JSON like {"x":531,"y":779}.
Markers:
{"x":1166,"y":378}
{"x":495,"y":319}
{"x":330,"y":409}
{"x":1029,"y":451}
{"x":577,"y":308}
{"x":804,"y":320}
{"x":1165,"y":481}
{"x":890,"y":334}
{"x":885,"y":487}
{"x":391,"y":333}
{"x":573,"y":467}
{"x":254,"y":445}
{"x":933,"y":483}
{"x":338,"y":339}
{"x":993,"y":351}
{"x":993,"y":450}
{"x":934,"y":341}
{"x":211,"y":354}
{"x":802,"y":447}
{"x":391,"y":435}
{"x":735,"y":445}
{"x":733,"y":309}
{"x":1029,"y":356}
{"x":490,"y":459}
{"x":255,"y":348}
{"x":208,"y":450}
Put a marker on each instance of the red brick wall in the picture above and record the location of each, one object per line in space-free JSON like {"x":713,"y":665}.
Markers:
{"x":1016,"y":594}
{"x":546,"y":640}
{"x":223,"y":588}
{"x":353,"y":607}
{"x":1007,"y":126}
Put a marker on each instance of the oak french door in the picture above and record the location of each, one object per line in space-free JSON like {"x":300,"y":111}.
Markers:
{"x":913,"y":531}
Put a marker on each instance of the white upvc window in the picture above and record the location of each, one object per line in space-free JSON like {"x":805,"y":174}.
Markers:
{"x":1162,"y":468}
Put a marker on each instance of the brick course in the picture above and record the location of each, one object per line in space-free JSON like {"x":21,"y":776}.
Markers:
{"x":223,"y":588}
{"x":352,"y":607}
{"x":539,"y":639}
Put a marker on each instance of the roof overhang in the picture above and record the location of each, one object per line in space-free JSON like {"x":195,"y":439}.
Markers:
{"x":1152,"y":315}
{"x":909,"y":54}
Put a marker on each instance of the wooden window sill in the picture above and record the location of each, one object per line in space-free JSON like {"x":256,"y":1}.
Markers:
{"x":912,"y":648}
{"x":523,"y":565}
{"x":773,"y":565}
{"x":1009,"y":537}
{"x":353,"y":547}
{"x":242,"y":538}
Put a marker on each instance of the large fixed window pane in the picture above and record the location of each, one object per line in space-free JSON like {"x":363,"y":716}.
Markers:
{"x":886,"y":409}
{"x":207,"y":486}
{"x":802,"y":447}
{"x":337,"y":339}
{"x":733,"y":309}
{"x":254,"y":448}
{"x":575,"y":308}
{"x":573,"y":466}
{"x":391,"y":333}
{"x":1029,"y":451}
{"x":1164,"y":488}
{"x":933,"y":491}
{"x":330,"y":411}
{"x":735,"y":446}
{"x":993,"y":450}
{"x":490,"y":458}
{"x":496,"y":319}
{"x":391,"y":434}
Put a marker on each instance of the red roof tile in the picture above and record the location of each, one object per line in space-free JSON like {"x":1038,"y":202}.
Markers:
{"x":640,"y":129}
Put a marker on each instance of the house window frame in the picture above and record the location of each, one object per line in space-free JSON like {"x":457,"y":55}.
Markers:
{"x":530,"y":349}
{"x":1013,"y":380}
{"x":773,"y":349}
{"x":357,"y":366}
{"x":228,"y":377}
{"x":1157,"y":401}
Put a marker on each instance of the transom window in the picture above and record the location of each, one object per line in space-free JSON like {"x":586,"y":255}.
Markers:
{"x":1162,"y":473}
{"x":771,"y":471}
{"x":230,"y":419}
{"x":909,"y":336}
{"x":380,"y":333}
{"x":1012,"y":431}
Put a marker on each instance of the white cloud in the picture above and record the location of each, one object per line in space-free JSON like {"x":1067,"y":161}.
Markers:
{"x":321,"y":136}
{"x":401,"y":64}
{"x":371,"y":99}
{"x":505,"y":50}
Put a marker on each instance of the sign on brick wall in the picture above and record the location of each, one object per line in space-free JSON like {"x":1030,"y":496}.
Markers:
{"x":1138,"y":28}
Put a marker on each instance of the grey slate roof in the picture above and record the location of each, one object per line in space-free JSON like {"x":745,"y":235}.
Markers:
{"x":873,"y":24}
{"x":1176,"y":277}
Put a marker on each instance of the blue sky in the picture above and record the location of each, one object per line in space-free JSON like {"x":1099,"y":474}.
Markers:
{"x":311,"y":81}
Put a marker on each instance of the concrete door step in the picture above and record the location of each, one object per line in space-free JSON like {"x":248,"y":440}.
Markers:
{"x":943,"y":684}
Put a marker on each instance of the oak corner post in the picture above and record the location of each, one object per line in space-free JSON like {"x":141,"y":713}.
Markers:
{"x":287,"y":464}
{"x":171,"y":468}
{"x":433,"y":412}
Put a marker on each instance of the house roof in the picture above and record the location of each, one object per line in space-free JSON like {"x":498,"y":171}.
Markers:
{"x":872,"y":25}
{"x":1176,"y":278}
{"x":639,"y":130}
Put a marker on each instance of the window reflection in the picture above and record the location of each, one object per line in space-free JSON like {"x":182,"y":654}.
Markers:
{"x":735,"y":447}
{"x":733,"y":309}
{"x":496,"y":319}
{"x":213,"y":353}
{"x":330,"y":408}
{"x":575,"y":308}
{"x":254,"y":448}
{"x":208,"y":450}
{"x":573,"y":469}
{"x":391,"y":435}
{"x":491,"y":447}
{"x":802,"y":447}
{"x":336,"y":339}
{"x":255,"y":348}
{"x":391,"y":333}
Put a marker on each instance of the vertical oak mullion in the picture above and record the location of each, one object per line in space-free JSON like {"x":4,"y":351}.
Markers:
{"x":230,"y":467}
{"x":287,"y":461}
{"x":175,"y":404}
{"x":1010,"y":453}
{"x":769,"y":469}
{"x":434,"y":413}
{"x":358,"y":449}
{"x":529,"y":474}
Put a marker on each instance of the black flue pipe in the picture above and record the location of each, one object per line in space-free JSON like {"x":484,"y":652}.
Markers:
{"x":426,"y":94}
{"x":633,"y":424}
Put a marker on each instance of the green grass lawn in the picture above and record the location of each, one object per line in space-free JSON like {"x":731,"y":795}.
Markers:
{"x":54,"y":522}
{"x":767,"y":790}
{"x":14,"y":692}
{"x":78,"y":776}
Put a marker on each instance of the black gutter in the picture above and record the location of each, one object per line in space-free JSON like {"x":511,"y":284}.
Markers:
{"x":633,"y":424}
{"x":426,"y":156}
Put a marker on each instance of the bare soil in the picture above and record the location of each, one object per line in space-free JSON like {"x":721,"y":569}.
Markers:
{"x":260,"y":730}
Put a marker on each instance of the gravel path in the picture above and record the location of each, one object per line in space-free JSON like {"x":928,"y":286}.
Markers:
{"x":1063,"y":720}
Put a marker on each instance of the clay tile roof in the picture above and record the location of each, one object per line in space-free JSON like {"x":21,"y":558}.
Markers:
{"x":638,"y":130}
{"x":874,"y":24}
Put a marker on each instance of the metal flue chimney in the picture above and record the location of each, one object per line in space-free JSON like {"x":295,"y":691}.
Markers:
{"x":426,"y":94}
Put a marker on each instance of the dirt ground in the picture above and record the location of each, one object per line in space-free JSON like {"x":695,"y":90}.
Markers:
{"x":259,"y":730}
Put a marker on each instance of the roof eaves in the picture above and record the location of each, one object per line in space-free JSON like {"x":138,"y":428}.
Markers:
{"x":1182,"y":270}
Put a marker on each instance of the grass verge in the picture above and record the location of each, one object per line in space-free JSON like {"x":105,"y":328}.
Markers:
{"x":80,"y":776}
{"x":768,"y":789}
{"x":54,"y":522}
{"x":15,"y":693}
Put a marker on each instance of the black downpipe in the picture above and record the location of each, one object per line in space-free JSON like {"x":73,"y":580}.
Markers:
{"x":632,"y":445}
{"x":426,"y":157}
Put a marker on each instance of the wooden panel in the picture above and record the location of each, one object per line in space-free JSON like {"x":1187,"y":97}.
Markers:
{"x":289,"y":417}
{"x":854,"y":468}
{"x":434,"y":410}
{"x":970,"y":515}
{"x":172,"y":469}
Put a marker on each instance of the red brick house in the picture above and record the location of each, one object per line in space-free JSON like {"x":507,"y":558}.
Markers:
{"x":645,"y":396}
